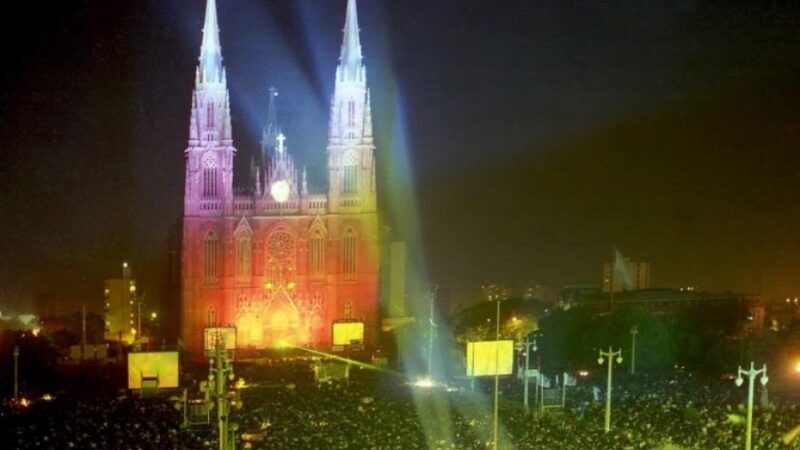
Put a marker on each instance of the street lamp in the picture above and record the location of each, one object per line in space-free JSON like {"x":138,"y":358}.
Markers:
{"x":634,"y":332}
{"x":751,"y":375}
{"x":16,"y":372}
{"x":432,"y":330}
{"x":528,"y":345}
{"x":610,"y":354}
{"x":496,"y":375}
{"x":220,"y":371}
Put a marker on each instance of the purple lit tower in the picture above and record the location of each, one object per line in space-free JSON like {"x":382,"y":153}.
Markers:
{"x":279,"y":262}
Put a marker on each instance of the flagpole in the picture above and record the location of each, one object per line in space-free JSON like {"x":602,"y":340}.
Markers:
{"x":496,"y":373}
{"x":541,"y":387}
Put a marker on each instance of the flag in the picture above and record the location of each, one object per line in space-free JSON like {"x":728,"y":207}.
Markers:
{"x":736,"y":419}
{"x":570,"y":380}
{"x":544,"y":381}
{"x":789,"y":436}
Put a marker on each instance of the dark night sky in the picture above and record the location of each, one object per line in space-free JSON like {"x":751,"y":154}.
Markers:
{"x":518,"y":139}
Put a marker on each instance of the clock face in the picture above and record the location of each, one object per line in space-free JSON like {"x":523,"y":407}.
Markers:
{"x":279,"y":191}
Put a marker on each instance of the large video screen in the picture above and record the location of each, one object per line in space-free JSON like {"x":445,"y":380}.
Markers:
{"x":331,"y":370}
{"x":347,"y":333}
{"x":490,"y":358}
{"x":228,"y":335}
{"x":163,"y":365}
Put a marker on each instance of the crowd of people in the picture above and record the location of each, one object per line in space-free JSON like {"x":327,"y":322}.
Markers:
{"x":284,"y":408}
{"x":92,"y":423}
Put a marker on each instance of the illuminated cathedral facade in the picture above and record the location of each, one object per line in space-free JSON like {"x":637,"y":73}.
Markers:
{"x":280,"y":263}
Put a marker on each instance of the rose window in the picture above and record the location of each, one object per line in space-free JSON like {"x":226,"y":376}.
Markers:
{"x":280,"y":245}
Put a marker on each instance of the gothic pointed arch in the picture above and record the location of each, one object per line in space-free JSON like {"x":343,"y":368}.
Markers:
{"x":211,"y":258}
{"x":317,"y":239}
{"x":280,"y":253}
{"x":350,"y":171}
{"x":211,"y":316}
{"x":318,"y":224}
{"x":243,"y":237}
{"x":349,"y":253}
{"x":244,"y":226}
{"x":210,"y":174}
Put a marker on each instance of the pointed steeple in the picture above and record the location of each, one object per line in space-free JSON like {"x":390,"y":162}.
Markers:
{"x":269,"y":134}
{"x":211,"y":70}
{"x":350,"y":140}
{"x":350,"y":59}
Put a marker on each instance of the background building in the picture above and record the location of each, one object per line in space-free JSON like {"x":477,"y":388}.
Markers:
{"x":278,"y":261}
{"x":541,"y":293}
{"x":628,"y":275}
{"x":120,"y":307}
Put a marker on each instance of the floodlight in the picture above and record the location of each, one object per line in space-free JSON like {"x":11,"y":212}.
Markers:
{"x":600,"y":360}
{"x":764,"y":380}
{"x":619,"y":359}
{"x":739,"y":380}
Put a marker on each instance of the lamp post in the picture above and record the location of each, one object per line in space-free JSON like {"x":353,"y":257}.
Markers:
{"x":134,"y":302}
{"x":610,"y":354}
{"x":139,"y":317}
{"x":496,"y":373}
{"x":751,"y":375}
{"x":430,"y":334}
{"x":634,"y":332}
{"x":181,"y":404}
{"x":16,"y":372}
{"x":528,"y":345}
{"x":83,"y":332}
{"x":220,"y":370}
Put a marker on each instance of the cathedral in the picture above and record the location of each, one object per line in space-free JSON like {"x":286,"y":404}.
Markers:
{"x":278,"y":262}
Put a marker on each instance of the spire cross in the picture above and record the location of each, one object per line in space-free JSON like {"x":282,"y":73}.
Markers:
{"x":281,"y":138}
{"x":272,"y":91}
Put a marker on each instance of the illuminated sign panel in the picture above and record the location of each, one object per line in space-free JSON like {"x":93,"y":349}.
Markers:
{"x":161,"y":365}
{"x":228,"y":335}
{"x":490,"y":358}
{"x":348,"y":333}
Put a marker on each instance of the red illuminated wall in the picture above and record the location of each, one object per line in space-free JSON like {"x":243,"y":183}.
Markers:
{"x":287,"y":305}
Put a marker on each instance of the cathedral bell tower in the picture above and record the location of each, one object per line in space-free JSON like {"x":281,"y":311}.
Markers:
{"x":209,"y":156}
{"x":351,"y":160}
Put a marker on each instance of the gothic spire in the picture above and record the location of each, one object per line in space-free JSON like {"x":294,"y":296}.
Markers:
{"x":350,"y":59}
{"x":211,"y":69}
{"x":270,"y":131}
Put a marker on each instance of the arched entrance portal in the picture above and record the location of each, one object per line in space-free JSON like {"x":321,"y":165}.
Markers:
{"x":249,"y":329}
{"x":283,"y":321}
